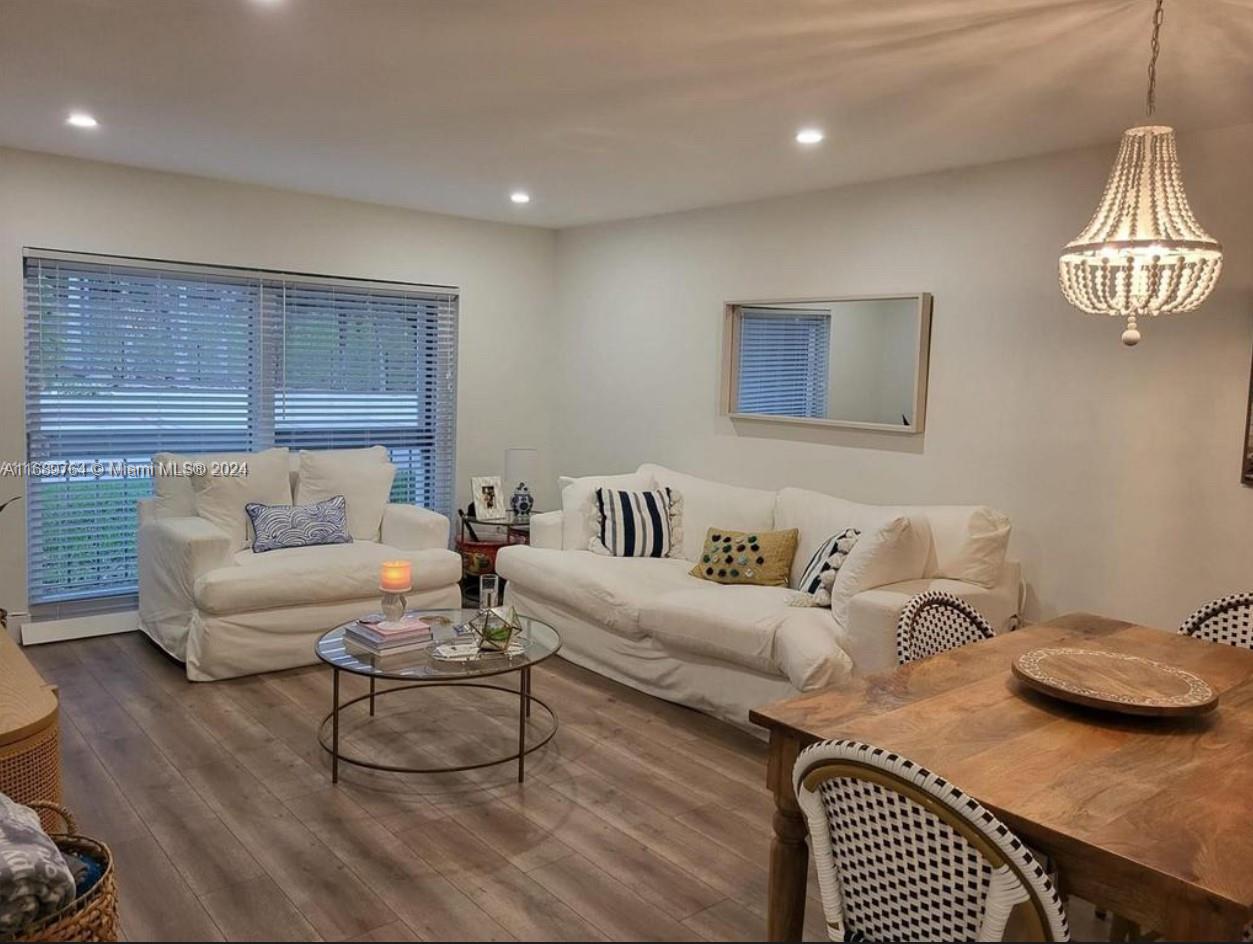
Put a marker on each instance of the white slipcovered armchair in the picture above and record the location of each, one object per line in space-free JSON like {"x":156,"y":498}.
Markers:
{"x":226,"y":611}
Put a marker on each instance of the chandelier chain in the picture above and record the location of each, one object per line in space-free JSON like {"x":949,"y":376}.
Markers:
{"x":1156,"y":47}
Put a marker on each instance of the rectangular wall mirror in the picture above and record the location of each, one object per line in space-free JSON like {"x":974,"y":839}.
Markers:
{"x":858,"y":362}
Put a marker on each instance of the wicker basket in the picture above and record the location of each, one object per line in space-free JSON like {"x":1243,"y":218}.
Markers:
{"x":91,"y":917}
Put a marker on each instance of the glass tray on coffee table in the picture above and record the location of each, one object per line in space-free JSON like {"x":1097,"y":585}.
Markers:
{"x":422,"y":669}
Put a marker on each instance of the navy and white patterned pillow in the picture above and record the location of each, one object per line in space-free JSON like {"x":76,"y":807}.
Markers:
{"x":636,"y":524}
{"x":828,"y":558}
{"x":280,"y":526}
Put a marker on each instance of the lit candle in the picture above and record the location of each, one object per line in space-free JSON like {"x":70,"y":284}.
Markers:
{"x":396,"y":576}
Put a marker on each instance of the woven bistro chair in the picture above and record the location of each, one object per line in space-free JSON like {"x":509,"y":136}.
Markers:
{"x":1227,"y":620}
{"x":903,"y":855}
{"x":936,"y":621}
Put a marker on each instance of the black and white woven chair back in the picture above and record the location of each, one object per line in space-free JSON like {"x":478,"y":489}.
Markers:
{"x":936,"y":621}
{"x":902,"y":855}
{"x":1228,"y":620}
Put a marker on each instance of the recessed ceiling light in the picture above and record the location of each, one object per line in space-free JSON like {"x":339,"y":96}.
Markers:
{"x":809,"y":136}
{"x":520,"y":196}
{"x":80,"y":119}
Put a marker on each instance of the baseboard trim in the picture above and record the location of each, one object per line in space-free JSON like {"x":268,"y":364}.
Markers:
{"x":79,"y":627}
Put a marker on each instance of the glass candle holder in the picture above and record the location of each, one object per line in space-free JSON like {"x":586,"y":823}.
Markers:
{"x":395,"y":580}
{"x":489,"y":591}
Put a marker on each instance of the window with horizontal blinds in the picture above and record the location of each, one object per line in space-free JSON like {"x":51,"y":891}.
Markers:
{"x":126,"y":358}
{"x":783,"y":362}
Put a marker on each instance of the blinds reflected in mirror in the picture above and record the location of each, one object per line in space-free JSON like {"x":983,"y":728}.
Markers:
{"x":783,"y":362}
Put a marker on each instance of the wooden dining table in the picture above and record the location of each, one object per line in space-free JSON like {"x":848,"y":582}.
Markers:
{"x":1150,"y":818}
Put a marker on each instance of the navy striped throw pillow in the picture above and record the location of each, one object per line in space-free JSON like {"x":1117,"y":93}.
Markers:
{"x":634,"y":524}
{"x":829,"y":556}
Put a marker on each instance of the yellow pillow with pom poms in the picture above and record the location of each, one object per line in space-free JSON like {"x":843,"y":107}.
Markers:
{"x":762,"y":558}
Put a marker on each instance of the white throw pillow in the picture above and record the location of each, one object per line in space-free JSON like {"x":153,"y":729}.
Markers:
{"x":579,"y":519}
{"x":817,"y":517}
{"x":968,"y":543}
{"x":708,"y":504}
{"x":365,"y":483}
{"x":172,"y":486}
{"x":887,"y":553}
{"x":220,"y":499}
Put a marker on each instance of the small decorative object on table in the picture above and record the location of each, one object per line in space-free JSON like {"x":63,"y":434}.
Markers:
{"x":495,"y":628}
{"x":489,"y":591}
{"x":395,"y":580}
{"x":521,"y":466}
{"x":489,"y":498}
{"x":379,"y":637}
{"x":521,"y":503}
{"x":1114,"y":681}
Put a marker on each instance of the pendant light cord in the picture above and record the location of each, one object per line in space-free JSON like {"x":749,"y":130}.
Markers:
{"x":1151,"y":98}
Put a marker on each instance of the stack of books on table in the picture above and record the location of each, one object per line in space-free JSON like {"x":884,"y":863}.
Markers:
{"x":389,"y":637}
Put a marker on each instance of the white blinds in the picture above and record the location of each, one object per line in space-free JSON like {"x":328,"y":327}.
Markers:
{"x":784,"y":357}
{"x":125,"y":359}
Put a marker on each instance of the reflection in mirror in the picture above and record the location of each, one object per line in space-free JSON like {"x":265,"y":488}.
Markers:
{"x":858,"y":362}
{"x":1247,"y":474}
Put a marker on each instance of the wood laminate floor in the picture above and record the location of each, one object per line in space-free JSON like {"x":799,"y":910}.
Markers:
{"x":641,"y":820}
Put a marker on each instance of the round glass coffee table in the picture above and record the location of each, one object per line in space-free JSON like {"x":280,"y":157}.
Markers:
{"x":422,"y":669}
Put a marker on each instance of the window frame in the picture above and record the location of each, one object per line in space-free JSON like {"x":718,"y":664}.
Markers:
{"x":436,"y":341}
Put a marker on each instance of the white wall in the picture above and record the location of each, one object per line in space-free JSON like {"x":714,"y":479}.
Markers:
{"x":505,"y":274}
{"x":1119,"y":467}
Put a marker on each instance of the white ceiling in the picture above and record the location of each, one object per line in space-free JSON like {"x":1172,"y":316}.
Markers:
{"x":601,"y":108}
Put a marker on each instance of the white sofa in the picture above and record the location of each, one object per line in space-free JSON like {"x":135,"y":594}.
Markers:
{"x":726,"y":649}
{"x":226,"y":611}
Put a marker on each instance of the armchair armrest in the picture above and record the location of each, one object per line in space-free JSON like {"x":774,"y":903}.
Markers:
{"x":873,"y":614}
{"x":546,"y":530}
{"x":414,"y":529}
{"x":173,"y":552}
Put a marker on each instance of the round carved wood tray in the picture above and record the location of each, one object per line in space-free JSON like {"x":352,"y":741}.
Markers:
{"x":1115,"y":681}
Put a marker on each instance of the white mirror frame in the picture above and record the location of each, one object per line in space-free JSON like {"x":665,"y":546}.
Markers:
{"x":729,"y":394}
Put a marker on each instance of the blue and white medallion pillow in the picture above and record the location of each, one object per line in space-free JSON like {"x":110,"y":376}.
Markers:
{"x":282,"y":526}
{"x":637,"y":524}
{"x":824,"y":566}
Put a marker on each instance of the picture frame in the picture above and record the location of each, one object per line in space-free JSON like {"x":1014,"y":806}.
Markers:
{"x":490,"y":501}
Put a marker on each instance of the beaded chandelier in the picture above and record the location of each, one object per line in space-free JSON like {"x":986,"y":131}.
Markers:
{"x":1143,"y":253}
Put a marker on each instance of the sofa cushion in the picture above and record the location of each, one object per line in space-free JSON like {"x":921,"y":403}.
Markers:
{"x":763,"y":558}
{"x":276,"y":527}
{"x":637,"y":523}
{"x":708,"y":504}
{"x":824,"y":565}
{"x":752,"y":627}
{"x":172,"y":482}
{"x":220,"y":499}
{"x":310,"y":575}
{"x":358,"y":475}
{"x":578,"y":511}
{"x":608,"y":591}
{"x":820,"y":517}
{"x":888,"y":553}
{"x":968,"y":542}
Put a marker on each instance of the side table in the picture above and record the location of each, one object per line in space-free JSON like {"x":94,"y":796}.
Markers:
{"x":478,"y":542}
